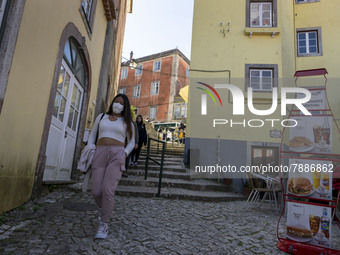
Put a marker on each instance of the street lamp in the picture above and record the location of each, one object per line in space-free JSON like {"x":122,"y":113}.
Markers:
{"x":132,"y":63}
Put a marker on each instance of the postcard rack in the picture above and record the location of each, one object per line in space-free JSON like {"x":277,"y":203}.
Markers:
{"x":310,"y":151}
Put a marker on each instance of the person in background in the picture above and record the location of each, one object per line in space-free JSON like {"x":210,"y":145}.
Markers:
{"x":143,"y":137}
{"x":169,"y":135}
{"x":181,"y":132}
{"x":128,"y":158}
{"x":160,"y":132}
{"x":164,"y":134}
{"x":109,"y":159}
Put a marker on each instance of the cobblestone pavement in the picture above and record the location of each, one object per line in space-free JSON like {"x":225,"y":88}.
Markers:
{"x":138,"y":226}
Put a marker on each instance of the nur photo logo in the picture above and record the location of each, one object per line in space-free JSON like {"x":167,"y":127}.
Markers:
{"x":238,"y":104}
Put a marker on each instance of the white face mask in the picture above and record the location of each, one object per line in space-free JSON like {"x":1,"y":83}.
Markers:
{"x":117,"y":108}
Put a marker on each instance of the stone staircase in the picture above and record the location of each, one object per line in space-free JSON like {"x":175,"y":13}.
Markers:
{"x":176,"y":181}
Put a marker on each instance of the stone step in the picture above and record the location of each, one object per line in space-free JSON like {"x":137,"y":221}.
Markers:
{"x":192,"y":184}
{"x":141,"y":164}
{"x":176,"y":181}
{"x":155,"y":174}
{"x":158,"y":155}
{"x":168,"y":151}
{"x":176,"y":193}
{"x":167,"y":161}
{"x":154,"y":166}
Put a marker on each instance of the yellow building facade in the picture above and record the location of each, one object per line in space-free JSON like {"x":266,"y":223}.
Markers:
{"x":59,"y":65}
{"x":257,"y":44}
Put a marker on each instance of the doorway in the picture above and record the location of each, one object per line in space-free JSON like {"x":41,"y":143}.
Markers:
{"x":64,"y":126}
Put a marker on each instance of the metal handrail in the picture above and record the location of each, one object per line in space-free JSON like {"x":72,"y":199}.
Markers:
{"x":158,"y":163}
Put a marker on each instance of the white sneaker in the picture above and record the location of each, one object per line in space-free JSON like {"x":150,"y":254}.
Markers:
{"x":103,"y":230}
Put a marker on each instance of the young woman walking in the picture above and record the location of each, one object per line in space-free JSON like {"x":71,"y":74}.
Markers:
{"x":115,"y":133}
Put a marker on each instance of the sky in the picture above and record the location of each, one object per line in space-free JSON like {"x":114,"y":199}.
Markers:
{"x":158,"y":25}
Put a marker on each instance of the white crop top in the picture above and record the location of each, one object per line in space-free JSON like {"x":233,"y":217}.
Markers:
{"x":112,"y":129}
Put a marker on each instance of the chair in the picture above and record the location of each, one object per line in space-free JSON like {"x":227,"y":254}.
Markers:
{"x":262,"y":184}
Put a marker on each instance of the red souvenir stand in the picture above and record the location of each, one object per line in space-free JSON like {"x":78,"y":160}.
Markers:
{"x":309,"y":221}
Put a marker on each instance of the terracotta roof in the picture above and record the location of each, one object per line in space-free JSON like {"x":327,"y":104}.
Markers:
{"x":160,"y":55}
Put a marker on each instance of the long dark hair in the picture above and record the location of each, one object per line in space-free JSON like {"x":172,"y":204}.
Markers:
{"x":126,"y":113}
{"x":141,"y":123}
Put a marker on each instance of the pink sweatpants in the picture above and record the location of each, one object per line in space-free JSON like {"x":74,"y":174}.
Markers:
{"x":107,"y":166}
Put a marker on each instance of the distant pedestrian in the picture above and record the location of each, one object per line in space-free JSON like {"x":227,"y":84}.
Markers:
{"x":128,"y":158}
{"x":143,"y":137}
{"x":109,"y":159}
{"x":164,"y":134}
{"x":160,"y":133}
{"x":169,"y":135}
{"x":181,"y":134}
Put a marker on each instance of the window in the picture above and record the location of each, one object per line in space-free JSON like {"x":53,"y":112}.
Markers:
{"x":87,"y":5}
{"x":136,"y":91}
{"x":262,"y":77}
{"x":124,"y":73}
{"x":261,"y":13}
{"x":122,"y":91}
{"x":3,"y":13}
{"x":157,"y":66}
{"x":187,"y":72}
{"x":154,"y":88}
{"x":264,"y":156}
{"x":177,"y":111}
{"x":75,"y":61}
{"x":2,"y":10}
{"x":309,"y":42}
{"x":139,"y":70}
{"x":180,"y":110}
{"x":184,"y":110}
{"x":152,"y":112}
{"x":87,"y":11}
{"x":306,"y":1}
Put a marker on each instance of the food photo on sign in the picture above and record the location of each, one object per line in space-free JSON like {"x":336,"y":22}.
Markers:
{"x":309,"y":224}
{"x":310,"y":178}
{"x":311,"y":134}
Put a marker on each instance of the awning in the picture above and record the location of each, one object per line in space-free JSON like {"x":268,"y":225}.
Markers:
{"x":310,"y":72}
{"x":184,"y":93}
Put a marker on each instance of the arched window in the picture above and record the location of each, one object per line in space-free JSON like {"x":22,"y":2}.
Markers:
{"x":75,"y":61}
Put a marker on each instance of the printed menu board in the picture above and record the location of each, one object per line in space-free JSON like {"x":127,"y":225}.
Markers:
{"x":317,"y":101}
{"x":310,"y":178}
{"x":311,"y":134}
{"x":309,"y":224}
